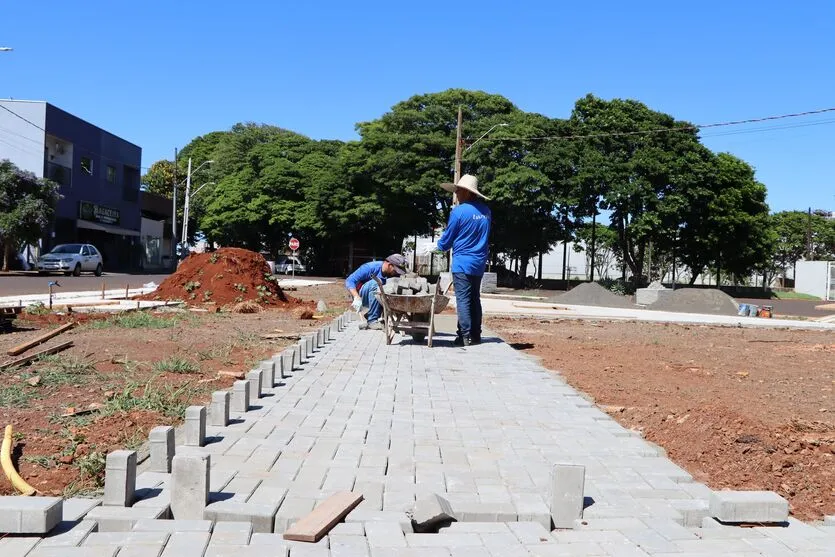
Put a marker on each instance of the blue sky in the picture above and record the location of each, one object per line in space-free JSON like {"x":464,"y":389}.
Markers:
{"x":159,"y":73}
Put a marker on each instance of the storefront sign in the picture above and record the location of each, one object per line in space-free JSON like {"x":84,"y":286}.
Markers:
{"x":97,"y":213}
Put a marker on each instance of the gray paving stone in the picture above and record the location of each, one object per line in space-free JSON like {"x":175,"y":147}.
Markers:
{"x":29,"y":515}
{"x":75,"y":508}
{"x":190,"y":486}
{"x":220,"y":408}
{"x":256,"y":384}
{"x":261,"y":516}
{"x":171,"y":526}
{"x":748,"y":506}
{"x":240,"y":396}
{"x":122,"y":519}
{"x":17,"y":547}
{"x":385,"y":534}
{"x":126,"y":538}
{"x":120,"y":478}
{"x":430,"y":512}
{"x":231,"y":533}
{"x":268,"y":367}
{"x":104,"y":551}
{"x":69,"y":534}
{"x":186,"y":544}
{"x":161,"y":441}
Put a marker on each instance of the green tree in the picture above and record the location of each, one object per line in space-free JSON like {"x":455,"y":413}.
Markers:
{"x":605,"y":246}
{"x":792,"y":234}
{"x":27,"y":206}
{"x":634,"y":159}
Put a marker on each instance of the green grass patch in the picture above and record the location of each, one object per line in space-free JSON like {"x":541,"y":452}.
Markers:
{"x":165,"y":399}
{"x":46,"y":462}
{"x":17,"y":395}
{"x":176,"y":364}
{"x":791,"y":295}
{"x":137,"y":320}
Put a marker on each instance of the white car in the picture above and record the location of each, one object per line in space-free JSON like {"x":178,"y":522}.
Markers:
{"x":71,"y":259}
{"x":289,"y":264}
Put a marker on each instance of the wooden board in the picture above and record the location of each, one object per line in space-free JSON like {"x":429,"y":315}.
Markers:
{"x":20,"y":349}
{"x":314,"y":526}
{"x":36,"y":355}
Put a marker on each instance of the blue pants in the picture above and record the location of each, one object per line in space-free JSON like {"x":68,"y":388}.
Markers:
{"x":468,"y":304}
{"x":370,"y":301}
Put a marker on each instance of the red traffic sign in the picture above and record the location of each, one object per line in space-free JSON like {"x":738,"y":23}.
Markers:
{"x":294,"y":244}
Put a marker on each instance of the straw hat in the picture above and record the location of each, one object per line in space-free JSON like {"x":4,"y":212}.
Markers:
{"x":467,"y":182}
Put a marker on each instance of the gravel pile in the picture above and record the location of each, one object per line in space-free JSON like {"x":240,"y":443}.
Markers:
{"x":697,"y":300}
{"x":592,"y":294}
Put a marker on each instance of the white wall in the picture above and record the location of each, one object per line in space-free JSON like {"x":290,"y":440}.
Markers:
{"x":811,"y":277}
{"x":21,"y":142}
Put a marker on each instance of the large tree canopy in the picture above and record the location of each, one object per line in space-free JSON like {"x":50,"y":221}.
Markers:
{"x":27,"y":205}
{"x":665,"y":194}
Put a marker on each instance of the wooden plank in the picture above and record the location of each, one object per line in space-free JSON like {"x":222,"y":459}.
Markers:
{"x":36,"y":355}
{"x":20,"y":349}
{"x":319,"y":522}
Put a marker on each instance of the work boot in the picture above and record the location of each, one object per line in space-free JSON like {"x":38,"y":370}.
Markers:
{"x":462,"y":341}
{"x":371,"y":326}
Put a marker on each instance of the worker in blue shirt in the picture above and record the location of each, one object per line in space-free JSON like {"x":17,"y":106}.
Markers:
{"x":467,"y":234}
{"x":362,"y":286}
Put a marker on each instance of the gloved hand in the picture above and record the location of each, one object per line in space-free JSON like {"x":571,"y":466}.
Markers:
{"x":433,"y":247}
{"x":356,"y":305}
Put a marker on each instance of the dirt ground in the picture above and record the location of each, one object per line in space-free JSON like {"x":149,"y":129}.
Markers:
{"x":737,"y":408}
{"x":123,"y":376}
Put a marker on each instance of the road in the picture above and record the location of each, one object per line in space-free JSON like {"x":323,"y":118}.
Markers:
{"x":20,"y":284}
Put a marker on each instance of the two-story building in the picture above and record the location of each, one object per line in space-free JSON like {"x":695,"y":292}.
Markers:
{"x":98,"y":173}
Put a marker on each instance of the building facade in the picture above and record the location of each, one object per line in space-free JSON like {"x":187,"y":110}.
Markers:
{"x":97,"y":171}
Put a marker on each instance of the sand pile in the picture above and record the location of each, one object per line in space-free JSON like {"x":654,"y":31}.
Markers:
{"x":592,"y":294}
{"x":697,"y":300}
{"x":224,"y":277}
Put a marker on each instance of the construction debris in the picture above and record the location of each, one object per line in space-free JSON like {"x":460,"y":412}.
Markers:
{"x":431,"y":514}
{"x":318,"y":523}
{"x":36,"y":355}
{"x":20,"y":349}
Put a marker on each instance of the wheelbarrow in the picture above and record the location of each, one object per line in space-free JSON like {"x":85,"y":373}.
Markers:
{"x":412,"y":315}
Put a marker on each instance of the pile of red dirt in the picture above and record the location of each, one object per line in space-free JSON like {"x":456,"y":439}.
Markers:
{"x":223,"y":277}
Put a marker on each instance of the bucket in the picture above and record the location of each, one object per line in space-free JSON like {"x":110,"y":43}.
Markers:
{"x":753,"y":310}
{"x":767,"y":311}
{"x":743,"y":310}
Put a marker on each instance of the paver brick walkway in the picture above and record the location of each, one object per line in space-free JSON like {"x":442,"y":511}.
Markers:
{"x":482,"y":426}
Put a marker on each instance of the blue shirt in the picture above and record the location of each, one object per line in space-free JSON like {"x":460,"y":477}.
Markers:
{"x":467,"y":233}
{"x":364,"y":273}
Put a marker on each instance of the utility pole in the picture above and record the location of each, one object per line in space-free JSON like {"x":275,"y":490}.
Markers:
{"x":809,"y":256}
{"x":593,"y":238}
{"x":174,"y":211}
{"x":458,"y":148}
{"x":456,"y":176}
{"x":185,"y":203}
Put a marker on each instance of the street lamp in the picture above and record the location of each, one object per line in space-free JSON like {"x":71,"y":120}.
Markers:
{"x":188,"y":197}
{"x":187,"y":209}
{"x":485,"y":135}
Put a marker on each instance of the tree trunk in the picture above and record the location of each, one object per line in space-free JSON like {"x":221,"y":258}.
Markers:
{"x":7,"y":256}
{"x":539,"y":271}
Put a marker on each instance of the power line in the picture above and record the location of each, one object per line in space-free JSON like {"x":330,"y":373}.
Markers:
{"x":30,"y":122}
{"x":667,"y":130}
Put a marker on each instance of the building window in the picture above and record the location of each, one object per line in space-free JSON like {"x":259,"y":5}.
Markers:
{"x":111,"y":174}
{"x":87,"y":165}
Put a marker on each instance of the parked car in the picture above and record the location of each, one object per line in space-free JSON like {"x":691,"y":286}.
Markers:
{"x":289,"y":264}
{"x":71,"y":259}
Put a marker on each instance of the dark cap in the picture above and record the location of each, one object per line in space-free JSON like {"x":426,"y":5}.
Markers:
{"x":399,"y":263}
